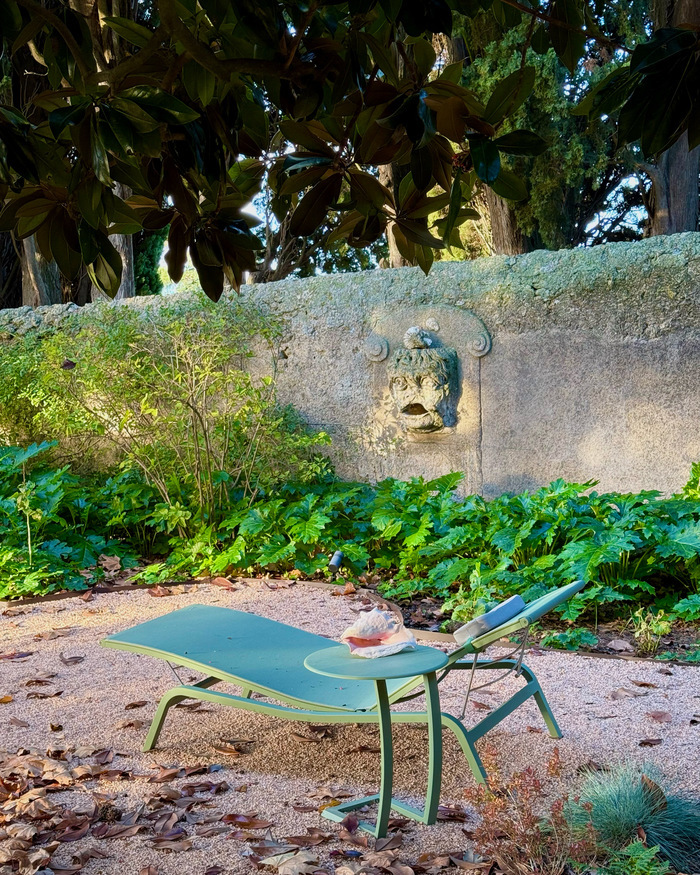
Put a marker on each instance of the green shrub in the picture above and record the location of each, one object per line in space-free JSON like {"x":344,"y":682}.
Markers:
{"x":171,"y":390}
{"x":649,"y":628}
{"x":635,"y":859}
{"x":421,"y":538}
{"x":571,"y":639}
{"x":52,"y":527}
{"x":688,"y":609}
{"x":621,"y":802}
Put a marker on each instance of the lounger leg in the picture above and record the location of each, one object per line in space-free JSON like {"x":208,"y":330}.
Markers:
{"x":172,"y":697}
{"x":542,"y":703}
{"x":533,"y":685}
{"x":468,"y":747}
{"x":387,"y":767}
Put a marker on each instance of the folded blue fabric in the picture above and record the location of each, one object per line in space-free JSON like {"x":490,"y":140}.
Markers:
{"x":490,"y":620}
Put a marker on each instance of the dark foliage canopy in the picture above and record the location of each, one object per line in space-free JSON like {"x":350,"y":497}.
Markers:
{"x":144,"y":125}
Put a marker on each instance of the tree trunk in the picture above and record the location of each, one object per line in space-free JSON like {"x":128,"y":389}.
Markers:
{"x":41,"y":281}
{"x":10,"y":273}
{"x":506,"y":236}
{"x":674,"y":200}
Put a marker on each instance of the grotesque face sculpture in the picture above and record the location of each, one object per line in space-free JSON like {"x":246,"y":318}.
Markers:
{"x":424,"y":383}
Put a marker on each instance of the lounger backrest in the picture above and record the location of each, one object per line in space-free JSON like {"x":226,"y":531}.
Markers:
{"x":529,"y":615}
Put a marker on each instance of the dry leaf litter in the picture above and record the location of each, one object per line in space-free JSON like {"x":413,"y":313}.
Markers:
{"x":228,"y":790}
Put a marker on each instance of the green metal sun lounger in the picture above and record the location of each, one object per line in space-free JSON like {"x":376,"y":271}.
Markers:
{"x":266,"y":658}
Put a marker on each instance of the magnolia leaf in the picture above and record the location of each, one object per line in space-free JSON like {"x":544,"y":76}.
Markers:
{"x":567,"y":38}
{"x":509,"y":186}
{"x":521,"y":142}
{"x":129,"y":30}
{"x":509,"y":95}
{"x":486,"y":158}
{"x":313,"y":207}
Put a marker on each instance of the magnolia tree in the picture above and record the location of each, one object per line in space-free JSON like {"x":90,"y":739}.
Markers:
{"x":155,"y":118}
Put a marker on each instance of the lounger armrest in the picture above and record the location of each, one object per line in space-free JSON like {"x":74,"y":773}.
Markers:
{"x":527,"y":617}
{"x":551,"y":600}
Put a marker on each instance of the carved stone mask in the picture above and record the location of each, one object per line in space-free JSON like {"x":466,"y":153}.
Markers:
{"x":424,"y":383}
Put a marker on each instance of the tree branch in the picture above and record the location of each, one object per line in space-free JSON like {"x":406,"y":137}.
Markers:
{"x":68,"y":38}
{"x":542,"y":16}
{"x":204,"y":56}
{"x":133,"y":63}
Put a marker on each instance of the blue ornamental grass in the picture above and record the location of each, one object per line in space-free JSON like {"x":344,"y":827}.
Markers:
{"x":627,"y":803}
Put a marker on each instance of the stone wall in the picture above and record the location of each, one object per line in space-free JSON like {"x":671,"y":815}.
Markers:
{"x":579,"y":364}
{"x":593,"y":371}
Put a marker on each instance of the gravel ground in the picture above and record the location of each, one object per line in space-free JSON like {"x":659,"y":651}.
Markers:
{"x":280,"y":767}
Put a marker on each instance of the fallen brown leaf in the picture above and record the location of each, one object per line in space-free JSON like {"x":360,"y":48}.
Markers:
{"x":624,"y":693}
{"x":400,"y":823}
{"x":148,"y":870}
{"x":205,"y":787}
{"x":105,"y":756}
{"x":110,"y":564}
{"x":224,"y":583}
{"x":650,"y":742}
{"x":354,"y":838}
{"x":480,"y":706}
{"x":159,"y":591}
{"x":314,"y":836}
{"x":227,"y":750}
{"x":51,"y":635}
{"x":5,"y":700}
{"x":164,"y":843}
{"x":315,"y":734}
{"x":164,"y":775}
{"x":324,"y":793}
{"x":75,"y":832}
{"x":43,"y":680}
{"x":88,"y":854}
{"x":389,"y":843}
{"x":656,"y":798}
{"x":132,"y":724}
{"x":619,"y":645}
{"x":299,"y":863}
{"x":165,"y":823}
{"x":645,"y":684}
{"x":210,"y":829}
{"x":14,"y":654}
{"x":55,"y":727}
{"x":453,"y":813}
{"x":36,"y":695}
{"x":660,"y":716}
{"x":246,"y":821}
{"x":15,"y":721}
{"x":70,"y":660}
{"x":116,"y":831}
{"x":132,"y":705}
{"x":213,"y":870}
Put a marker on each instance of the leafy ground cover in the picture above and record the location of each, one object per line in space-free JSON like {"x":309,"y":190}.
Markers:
{"x":445,"y":557}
